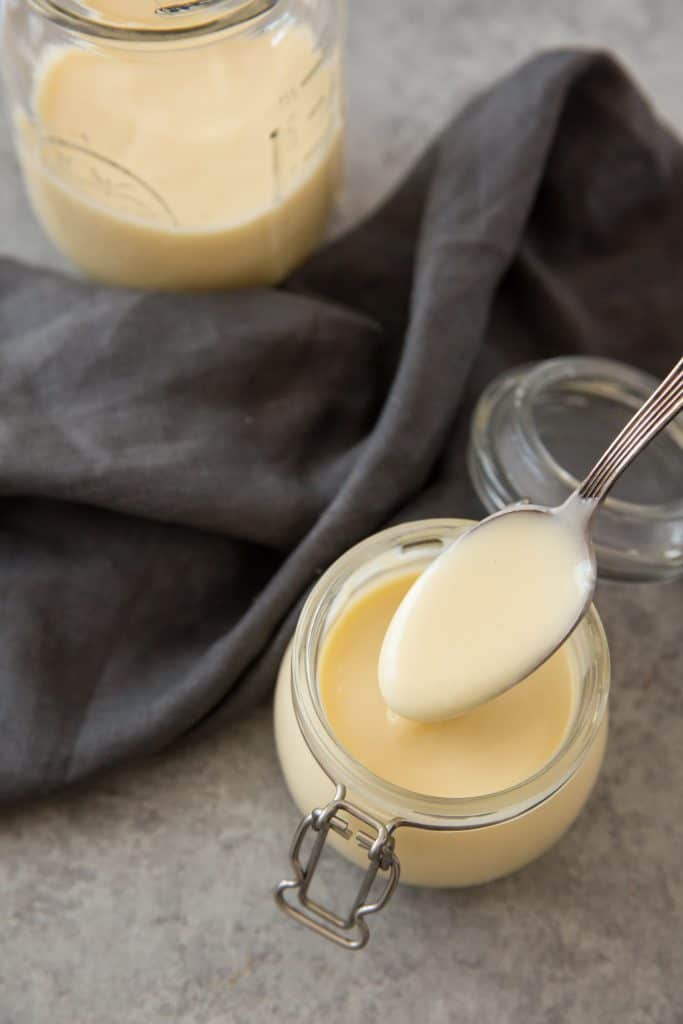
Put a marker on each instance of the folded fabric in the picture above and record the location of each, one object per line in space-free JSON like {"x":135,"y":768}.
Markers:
{"x":175,"y":470}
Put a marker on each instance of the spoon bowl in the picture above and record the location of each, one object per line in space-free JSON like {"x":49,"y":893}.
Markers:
{"x":505,"y":596}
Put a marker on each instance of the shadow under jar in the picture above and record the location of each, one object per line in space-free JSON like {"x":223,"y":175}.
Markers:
{"x":185,"y":146}
{"x":392,"y":831}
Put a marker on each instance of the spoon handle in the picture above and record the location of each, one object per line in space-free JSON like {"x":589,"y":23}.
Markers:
{"x":661,"y":407}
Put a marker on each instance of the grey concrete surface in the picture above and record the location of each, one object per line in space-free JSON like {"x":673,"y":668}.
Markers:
{"x":144,"y":898}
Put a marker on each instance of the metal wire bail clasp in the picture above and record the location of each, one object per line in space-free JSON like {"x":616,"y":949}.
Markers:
{"x":350,"y":931}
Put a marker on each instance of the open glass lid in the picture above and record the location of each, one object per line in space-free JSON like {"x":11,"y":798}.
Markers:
{"x":537,"y":430}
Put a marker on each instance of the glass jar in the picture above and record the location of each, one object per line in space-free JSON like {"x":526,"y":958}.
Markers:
{"x":188,"y":145}
{"x":392,"y":832}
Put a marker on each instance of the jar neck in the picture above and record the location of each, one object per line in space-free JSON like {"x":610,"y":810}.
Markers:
{"x":151,"y":20}
{"x":401,"y":549}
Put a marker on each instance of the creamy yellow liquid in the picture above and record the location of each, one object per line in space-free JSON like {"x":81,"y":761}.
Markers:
{"x":485,"y":613}
{"x":202,"y":167}
{"x":486,"y":750}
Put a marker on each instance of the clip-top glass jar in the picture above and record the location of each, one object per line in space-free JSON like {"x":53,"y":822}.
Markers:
{"x":178,"y":145}
{"x":393,"y":832}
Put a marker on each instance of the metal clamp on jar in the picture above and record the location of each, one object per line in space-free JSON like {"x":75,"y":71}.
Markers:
{"x":351,"y":930}
{"x":390,"y":831}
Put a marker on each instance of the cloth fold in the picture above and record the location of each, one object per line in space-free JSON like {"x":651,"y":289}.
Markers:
{"x":175,"y":470}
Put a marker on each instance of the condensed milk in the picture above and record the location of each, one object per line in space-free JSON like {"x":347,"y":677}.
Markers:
{"x":487,"y":611}
{"x":205,"y":166}
{"x":488,"y":749}
{"x":478,"y":796}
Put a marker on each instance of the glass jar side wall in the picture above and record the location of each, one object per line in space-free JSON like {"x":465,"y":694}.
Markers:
{"x":462,"y":855}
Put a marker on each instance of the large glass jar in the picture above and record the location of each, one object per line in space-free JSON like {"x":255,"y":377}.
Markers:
{"x":392,"y":832}
{"x":186,"y":145}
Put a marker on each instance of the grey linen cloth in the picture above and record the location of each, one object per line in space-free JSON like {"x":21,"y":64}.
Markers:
{"x":176,"y":470}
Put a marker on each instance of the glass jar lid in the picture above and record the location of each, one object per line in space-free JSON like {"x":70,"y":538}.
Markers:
{"x":538,"y":429}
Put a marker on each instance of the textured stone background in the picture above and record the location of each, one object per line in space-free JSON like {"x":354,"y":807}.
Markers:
{"x":145,"y":899}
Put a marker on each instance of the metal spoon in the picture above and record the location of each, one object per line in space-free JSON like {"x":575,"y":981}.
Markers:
{"x":482,"y":618}
{"x":665,"y":402}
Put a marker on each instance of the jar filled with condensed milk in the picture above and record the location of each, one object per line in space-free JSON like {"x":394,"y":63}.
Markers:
{"x":178,"y":145}
{"x":445,"y":804}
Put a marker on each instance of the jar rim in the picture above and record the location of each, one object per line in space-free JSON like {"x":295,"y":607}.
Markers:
{"x":195,"y":18}
{"x":404,"y":806}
